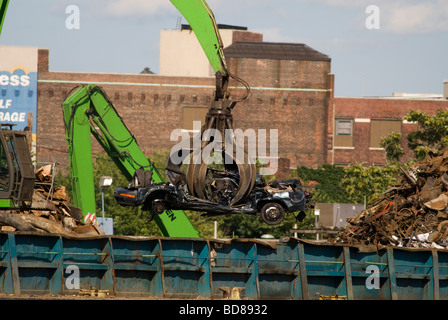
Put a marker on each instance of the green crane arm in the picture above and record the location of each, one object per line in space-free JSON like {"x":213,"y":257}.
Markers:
{"x":88,"y":111}
{"x":3,"y":8}
{"x":202,"y":21}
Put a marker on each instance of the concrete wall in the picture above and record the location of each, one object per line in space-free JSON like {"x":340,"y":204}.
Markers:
{"x":182,"y":55}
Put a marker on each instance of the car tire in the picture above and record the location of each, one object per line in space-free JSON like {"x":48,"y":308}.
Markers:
{"x":272,"y":213}
{"x":158,"y":207}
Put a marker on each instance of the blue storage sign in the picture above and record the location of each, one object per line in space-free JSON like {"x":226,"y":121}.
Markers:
{"x":18,"y":85}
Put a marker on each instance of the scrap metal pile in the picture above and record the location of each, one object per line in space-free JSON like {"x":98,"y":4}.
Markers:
{"x":49,"y":212}
{"x":412,"y":213}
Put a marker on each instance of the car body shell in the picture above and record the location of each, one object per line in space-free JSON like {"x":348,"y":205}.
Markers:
{"x":158,"y":196}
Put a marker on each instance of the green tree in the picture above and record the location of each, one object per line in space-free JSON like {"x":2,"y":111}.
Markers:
{"x":134,"y":221}
{"x":249,"y":226}
{"x":432,"y":134}
{"x":334,"y":184}
{"x":366,"y":183}
{"x":327,"y":179}
{"x":127,"y":220}
{"x":392,"y":146}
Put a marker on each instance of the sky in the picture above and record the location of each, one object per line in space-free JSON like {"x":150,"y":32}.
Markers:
{"x":377,"y":47}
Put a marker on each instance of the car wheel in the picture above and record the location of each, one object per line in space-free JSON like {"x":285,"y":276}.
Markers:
{"x":272,"y":213}
{"x":158,"y":206}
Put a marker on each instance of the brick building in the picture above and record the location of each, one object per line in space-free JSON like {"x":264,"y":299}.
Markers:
{"x":150,"y":105}
{"x":360,"y":123}
{"x":174,"y":44}
{"x":292,"y":90}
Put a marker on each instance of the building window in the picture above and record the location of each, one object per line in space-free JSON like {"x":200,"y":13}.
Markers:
{"x":380,"y":129}
{"x":190,"y":114}
{"x":343,"y":133}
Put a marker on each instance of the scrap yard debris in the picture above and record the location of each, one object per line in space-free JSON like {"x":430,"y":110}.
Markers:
{"x":49,"y":211}
{"x":412,"y":213}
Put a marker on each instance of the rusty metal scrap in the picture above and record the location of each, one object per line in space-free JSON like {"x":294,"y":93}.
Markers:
{"x":94,"y":292}
{"x":49,"y":211}
{"x":412,"y":213}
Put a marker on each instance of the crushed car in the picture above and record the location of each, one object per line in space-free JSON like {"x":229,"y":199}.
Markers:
{"x":270,"y":201}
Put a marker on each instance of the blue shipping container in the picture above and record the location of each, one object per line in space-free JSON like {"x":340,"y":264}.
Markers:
{"x":207,"y":268}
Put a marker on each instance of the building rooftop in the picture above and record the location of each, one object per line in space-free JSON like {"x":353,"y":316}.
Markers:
{"x":220,"y":26}
{"x":274,"y":50}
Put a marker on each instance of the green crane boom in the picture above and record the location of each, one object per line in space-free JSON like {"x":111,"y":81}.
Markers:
{"x":88,"y":111}
{"x":202,"y":21}
{"x":3,"y":7}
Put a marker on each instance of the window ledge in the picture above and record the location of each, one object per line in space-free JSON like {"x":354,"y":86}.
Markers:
{"x":344,"y":148}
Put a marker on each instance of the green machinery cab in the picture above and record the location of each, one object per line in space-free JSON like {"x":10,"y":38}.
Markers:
{"x":16,"y":168}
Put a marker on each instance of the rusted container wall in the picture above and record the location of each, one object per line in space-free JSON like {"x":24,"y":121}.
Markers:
{"x":211,"y":269}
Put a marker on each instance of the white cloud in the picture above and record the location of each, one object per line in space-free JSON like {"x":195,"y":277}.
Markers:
{"x":420,"y":18}
{"x":400,"y":16}
{"x":122,"y":8}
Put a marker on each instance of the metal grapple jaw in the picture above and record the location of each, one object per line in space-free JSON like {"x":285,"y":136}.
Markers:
{"x":233,"y":179}
{"x":220,"y":168}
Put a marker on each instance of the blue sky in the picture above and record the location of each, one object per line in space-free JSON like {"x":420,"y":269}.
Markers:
{"x":408,"y":53}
